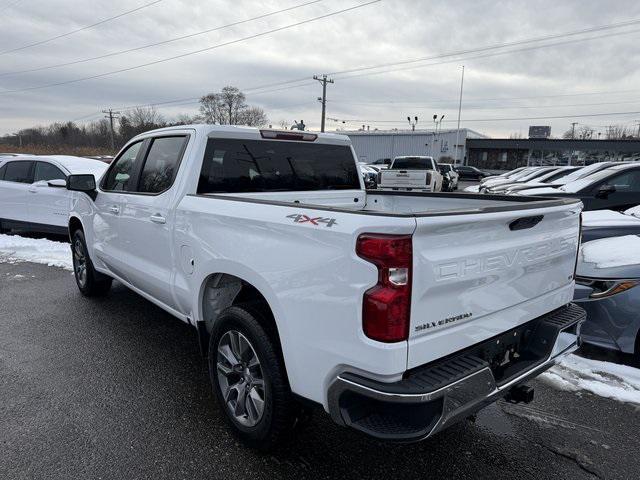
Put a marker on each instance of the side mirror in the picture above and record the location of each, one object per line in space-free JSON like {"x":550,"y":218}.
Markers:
{"x":57,"y":183}
{"x":605,"y":190}
{"x":82,"y":183}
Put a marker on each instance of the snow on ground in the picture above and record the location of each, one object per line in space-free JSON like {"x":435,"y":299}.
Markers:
{"x":612,"y":252}
{"x":572,"y":374}
{"x":609,"y":380}
{"x":14,"y":248}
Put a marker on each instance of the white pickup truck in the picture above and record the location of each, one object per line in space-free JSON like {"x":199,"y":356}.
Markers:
{"x":397,"y":313}
{"x":411,"y":173}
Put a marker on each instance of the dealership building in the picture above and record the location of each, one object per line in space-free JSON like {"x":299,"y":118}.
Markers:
{"x":444,"y":145}
{"x":507,"y":154}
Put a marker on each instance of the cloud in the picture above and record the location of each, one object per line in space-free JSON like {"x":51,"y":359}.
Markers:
{"x":389,"y":31}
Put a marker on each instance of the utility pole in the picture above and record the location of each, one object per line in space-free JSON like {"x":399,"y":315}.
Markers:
{"x":573,"y":130}
{"x":111,"y":115}
{"x":455,"y":160}
{"x":324,"y":80}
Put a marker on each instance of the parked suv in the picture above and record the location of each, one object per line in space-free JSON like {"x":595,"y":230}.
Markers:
{"x":33,"y":196}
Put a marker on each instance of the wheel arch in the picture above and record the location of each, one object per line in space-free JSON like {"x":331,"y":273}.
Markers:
{"x":223,"y":289}
{"x":74,"y":224}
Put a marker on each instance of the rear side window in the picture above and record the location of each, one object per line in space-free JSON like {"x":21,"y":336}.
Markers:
{"x":121,"y":172}
{"x":240,"y":166}
{"x":46,"y":171}
{"x":18,"y":172}
{"x":2,"y":170}
{"x":162,"y":164}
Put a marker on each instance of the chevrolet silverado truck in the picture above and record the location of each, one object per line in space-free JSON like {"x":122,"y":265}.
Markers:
{"x":412,"y":174}
{"x":397,"y":313}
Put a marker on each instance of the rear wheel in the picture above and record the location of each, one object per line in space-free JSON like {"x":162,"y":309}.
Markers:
{"x":90,"y":282}
{"x":249,"y":379}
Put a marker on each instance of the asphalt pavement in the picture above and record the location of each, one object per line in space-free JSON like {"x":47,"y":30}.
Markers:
{"x":115,"y":388}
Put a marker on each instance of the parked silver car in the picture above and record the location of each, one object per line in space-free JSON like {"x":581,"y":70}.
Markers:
{"x":608,"y":288}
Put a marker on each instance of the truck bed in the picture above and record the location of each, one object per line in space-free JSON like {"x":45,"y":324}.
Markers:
{"x":401,"y":204}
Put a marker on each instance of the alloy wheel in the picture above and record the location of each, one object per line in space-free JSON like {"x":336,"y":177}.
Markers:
{"x":80,"y":262}
{"x":241,"y":378}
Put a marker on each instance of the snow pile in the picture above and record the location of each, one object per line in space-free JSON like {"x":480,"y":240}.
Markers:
{"x":472,"y":189}
{"x":38,"y":250}
{"x":612,"y":252}
{"x":609,"y":380}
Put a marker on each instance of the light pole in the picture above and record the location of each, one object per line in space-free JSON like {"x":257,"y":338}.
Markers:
{"x":438,"y":126}
{"x":413,"y":123}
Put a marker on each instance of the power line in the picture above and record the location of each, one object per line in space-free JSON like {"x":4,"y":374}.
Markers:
{"x":193,"y":52}
{"x":496,"y":46}
{"x":502,"y":107}
{"x":163,"y":42}
{"x":86,"y":27}
{"x":488,"y":55}
{"x":512,"y":119}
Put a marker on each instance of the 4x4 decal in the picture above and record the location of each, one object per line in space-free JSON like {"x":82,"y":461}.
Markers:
{"x":301,"y":218}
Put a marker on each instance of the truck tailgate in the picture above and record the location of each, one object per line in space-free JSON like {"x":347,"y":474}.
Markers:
{"x":404,"y":179}
{"x":478,"y":275}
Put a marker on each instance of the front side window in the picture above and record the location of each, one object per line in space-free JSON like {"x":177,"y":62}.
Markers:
{"x":162,"y":164}
{"x":120,"y":174}
{"x":628,"y":182}
{"x":18,"y":172}
{"x":45,"y":171}
{"x":240,"y":166}
{"x":2,"y":170}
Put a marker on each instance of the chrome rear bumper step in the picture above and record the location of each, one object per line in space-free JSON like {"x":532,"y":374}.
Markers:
{"x":434,"y":396}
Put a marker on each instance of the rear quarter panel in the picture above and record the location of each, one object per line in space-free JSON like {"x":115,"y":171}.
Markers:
{"x":307,"y":271}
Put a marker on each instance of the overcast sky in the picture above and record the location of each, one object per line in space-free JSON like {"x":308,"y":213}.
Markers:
{"x":572,"y":79}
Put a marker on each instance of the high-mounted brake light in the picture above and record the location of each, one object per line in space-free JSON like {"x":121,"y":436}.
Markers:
{"x":287,"y":135}
{"x":386,"y":306}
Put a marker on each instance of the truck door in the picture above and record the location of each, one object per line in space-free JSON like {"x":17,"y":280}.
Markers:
{"x":106,"y":222}
{"x":146,"y":221}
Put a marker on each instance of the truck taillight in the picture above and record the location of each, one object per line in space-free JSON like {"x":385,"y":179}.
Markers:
{"x":386,"y":306}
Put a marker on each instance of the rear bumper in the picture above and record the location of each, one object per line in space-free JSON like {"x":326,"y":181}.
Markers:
{"x":435,"y":396}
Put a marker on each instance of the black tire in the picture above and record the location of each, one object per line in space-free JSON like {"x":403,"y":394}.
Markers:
{"x":90,"y":282}
{"x":279,"y":409}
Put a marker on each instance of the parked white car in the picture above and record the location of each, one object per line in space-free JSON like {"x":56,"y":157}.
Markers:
{"x":33,"y":194}
{"x":399,"y":313}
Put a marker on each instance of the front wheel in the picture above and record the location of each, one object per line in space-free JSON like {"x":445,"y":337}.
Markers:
{"x":249,"y":379}
{"x":90,"y":282}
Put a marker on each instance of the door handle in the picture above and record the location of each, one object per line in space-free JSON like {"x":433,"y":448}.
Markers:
{"x":114,"y":209}
{"x":157,"y":218}
{"x":33,"y":190}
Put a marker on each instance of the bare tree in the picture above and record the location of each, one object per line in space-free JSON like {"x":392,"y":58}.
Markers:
{"x":618,"y":132}
{"x":585,"y":132}
{"x":229,"y":107}
{"x":516,"y":136}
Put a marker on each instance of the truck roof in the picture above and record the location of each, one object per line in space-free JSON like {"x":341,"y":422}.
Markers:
{"x":235,"y":131}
